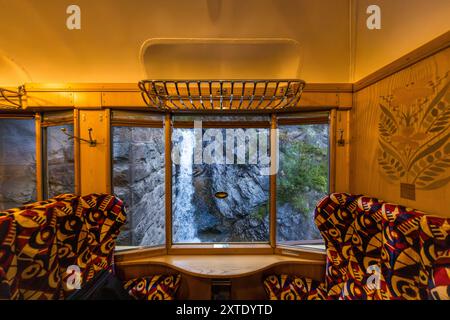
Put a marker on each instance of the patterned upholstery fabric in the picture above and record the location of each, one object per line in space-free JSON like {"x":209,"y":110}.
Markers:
{"x":435,"y":257}
{"x":285,"y":287}
{"x":40,"y":242}
{"x":156,"y":287}
{"x":377,"y":251}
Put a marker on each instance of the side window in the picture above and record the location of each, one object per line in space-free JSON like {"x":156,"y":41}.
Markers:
{"x":302,"y":180}
{"x":58,"y":155}
{"x":17,"y":162}
{"x":138,"y":177}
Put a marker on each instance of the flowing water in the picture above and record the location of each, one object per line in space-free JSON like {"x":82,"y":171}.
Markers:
{"x":183,"y":224}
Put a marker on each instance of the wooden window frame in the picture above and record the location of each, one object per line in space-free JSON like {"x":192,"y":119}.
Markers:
{"x":41,"y":156}
{"x":269,"y":247}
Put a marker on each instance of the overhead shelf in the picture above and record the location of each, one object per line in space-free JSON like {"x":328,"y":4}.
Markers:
{"x":11,"y":99}
{"x":221,"y":95}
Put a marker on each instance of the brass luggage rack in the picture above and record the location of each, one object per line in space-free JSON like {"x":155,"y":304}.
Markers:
{"x":201,"y":95}
{"x":11,"y":99}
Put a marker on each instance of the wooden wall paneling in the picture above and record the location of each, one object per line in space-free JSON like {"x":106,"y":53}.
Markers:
{"x":76,"y":145}
{"x":400,"y":93}
{"x":36,"y":100}
{"x":311,"y":99}
{"x":248,"y":288}
{"x":342,"y":169}
{"x":119,"y":99}
{"x":94,"y":167}
{"x":87,"y":99}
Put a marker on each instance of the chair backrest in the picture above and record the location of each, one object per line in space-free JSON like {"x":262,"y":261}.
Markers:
{"x":41,"y":242}
{"x":374,"y":249}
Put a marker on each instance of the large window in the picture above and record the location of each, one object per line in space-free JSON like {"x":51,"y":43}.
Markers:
{"x":222,"y":179}
{"x":138,"y":177}
{"x":59,"y":165}
{"x":302,"y":178}
{"x":17,"y":162}
{"x":220,"y":189}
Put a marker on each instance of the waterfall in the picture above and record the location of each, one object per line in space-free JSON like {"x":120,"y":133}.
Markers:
{"x":184,"y":228}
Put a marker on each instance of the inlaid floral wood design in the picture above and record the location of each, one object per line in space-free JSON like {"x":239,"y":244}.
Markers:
{"x":414,"y":131}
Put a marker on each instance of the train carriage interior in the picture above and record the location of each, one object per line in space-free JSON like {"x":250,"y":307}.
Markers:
{"x":252,"y":150}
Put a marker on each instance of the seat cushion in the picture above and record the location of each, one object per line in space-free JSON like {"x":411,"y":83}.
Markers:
{"x":286,"y":287}
{"x":435,"y":257}
{"x":156,"y":287}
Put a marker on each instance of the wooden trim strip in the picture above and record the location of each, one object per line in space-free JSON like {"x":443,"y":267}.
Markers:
{"x":209,"y":250}
{"x":299,"y":121}
{"x":108,"y":151}
{"x":438,"y":44}
{"x":76,"y":147}
{"x":137,"y":123}
{"x":17,"y":116}
{"x":168,"y":178}
{"x":273,"y":183}
{"x":133,"y":87}
{"x":332,"y":152}
{"x":301,"y":252}
{"x":139,"y":253}
{"x":39,"y":159}
{"x":46,"y":124}
{"x":328,"y":87}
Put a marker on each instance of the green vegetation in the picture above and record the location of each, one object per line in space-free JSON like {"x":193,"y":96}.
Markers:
{"x":303,"y":169}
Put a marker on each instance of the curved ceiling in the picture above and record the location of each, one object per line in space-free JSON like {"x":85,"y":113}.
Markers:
{"x":221,"y":58}
{"x":107,"y":48}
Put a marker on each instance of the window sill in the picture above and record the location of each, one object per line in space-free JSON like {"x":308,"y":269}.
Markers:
{"x":219,"y":266}
{"x":232,"y":248}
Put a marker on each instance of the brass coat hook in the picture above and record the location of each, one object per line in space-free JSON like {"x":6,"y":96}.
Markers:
{"x":341,"y":140}
{"x":92,"y":143}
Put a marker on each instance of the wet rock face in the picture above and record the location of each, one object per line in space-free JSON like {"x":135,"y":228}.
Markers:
{"x":60,"y":161}
{"x":240,"y":217}
{"x":138,"y":179}
{"x":17,"y":163}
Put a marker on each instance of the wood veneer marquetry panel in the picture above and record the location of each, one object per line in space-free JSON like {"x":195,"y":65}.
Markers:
{"x":407,"y":96}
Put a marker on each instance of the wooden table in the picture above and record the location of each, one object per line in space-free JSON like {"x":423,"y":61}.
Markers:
{"x":220,"y":266}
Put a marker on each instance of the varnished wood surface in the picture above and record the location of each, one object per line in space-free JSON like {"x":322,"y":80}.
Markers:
{"x":366,"y":174}
{"x":220,"y":266}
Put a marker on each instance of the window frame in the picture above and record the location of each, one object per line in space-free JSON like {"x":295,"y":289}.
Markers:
{"x":269,"y":247}
{"x":38,"y":144}
{"x":51,"y":119}
{"x":238,"y":124}
{"x":150,"y":123}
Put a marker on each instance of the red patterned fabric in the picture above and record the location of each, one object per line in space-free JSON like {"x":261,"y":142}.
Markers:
{"x":42,"y":242}
{"x":435,"y":257}
{"x":378,"y":250}
{"x":285,"y":287}
{"x":156,"y":287}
